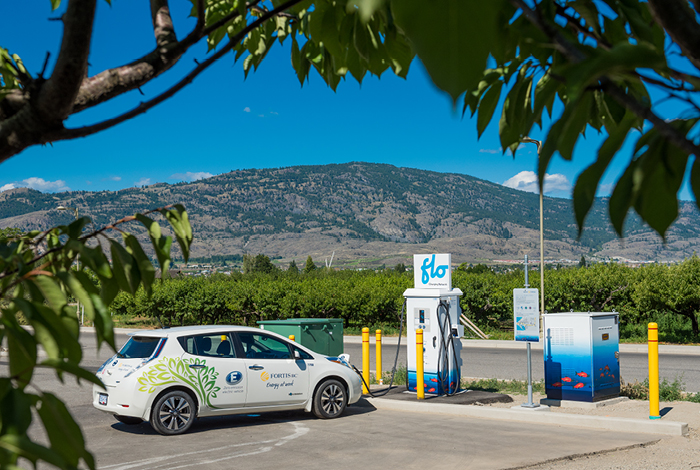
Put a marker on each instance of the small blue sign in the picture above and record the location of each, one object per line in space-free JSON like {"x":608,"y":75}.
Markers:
{"x":234,"y":378}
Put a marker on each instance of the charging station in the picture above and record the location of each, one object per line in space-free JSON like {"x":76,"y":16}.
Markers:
{"x":433,"y":306}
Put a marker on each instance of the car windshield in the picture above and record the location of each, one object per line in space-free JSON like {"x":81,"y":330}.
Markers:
{"x":138,"y":347}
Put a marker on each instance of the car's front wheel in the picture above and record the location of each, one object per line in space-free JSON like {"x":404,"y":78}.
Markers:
{"x":130,"y":420}
{"x":330,"y":399}
{"x":173,"y":413}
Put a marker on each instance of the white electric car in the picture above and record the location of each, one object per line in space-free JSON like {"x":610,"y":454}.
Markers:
{"x":171,"y":376}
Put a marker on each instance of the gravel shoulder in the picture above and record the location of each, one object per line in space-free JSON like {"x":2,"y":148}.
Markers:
{"x":678,"y":452}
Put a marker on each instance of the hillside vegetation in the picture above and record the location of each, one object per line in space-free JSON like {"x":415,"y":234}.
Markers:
{"x":363,"y":211}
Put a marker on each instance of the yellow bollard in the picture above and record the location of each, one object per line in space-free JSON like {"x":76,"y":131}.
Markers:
{"x":420,"y":380}
{"x":365,"y":360}
{"x":654,"y":371}
{"x":292,"y":337}
{"x":378,"y":337}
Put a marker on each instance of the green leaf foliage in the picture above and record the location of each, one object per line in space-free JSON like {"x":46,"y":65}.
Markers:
{"x":11,"y":70}
{"x":587,"y":182}
{"x":451,"y":37}
{"x":41,"y":273}
{"x":64,"y":434}
{"x":651,"y":182}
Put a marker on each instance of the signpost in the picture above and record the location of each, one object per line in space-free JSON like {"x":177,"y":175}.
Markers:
{"x":526,"y":316}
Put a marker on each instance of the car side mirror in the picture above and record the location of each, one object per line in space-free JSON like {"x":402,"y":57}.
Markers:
{"x":297,"y":356}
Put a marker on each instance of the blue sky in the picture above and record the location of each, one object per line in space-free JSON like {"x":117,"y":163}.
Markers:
{"x":222,"y":122}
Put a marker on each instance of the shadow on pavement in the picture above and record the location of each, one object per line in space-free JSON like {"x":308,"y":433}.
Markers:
{"x":214,"y":423}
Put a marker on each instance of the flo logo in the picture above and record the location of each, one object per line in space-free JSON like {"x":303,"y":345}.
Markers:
{"x":430,"y":271}
{"x":264,"y":376}
{"x":234,"y":378}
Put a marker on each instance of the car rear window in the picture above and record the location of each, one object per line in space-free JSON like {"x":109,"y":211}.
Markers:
{"x":138,"y":347}
{"x":209,"y":345}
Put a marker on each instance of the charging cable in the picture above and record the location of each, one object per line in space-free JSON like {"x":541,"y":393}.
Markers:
{"x":381,"y":393}
{"x":444,"y":353}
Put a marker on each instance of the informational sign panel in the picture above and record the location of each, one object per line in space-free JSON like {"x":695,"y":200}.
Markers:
{"x":526,"y":306}
{"x":432,"y":271}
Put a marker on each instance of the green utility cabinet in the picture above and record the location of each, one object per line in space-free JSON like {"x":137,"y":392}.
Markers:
{"x":321,"y":335}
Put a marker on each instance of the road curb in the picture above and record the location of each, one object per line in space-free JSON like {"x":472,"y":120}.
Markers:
{"x":668,"y":428}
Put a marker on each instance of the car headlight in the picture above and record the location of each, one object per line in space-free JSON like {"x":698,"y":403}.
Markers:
{"x":343,"y":359}
{"x":105,"y":364}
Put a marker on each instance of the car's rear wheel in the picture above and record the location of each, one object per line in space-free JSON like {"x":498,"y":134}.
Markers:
{"x":173,"y":413}
{"x":130,"y":420}
{"x":330,"y":399}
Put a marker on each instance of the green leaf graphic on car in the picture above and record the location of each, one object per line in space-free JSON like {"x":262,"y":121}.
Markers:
{"x":176,"y":370}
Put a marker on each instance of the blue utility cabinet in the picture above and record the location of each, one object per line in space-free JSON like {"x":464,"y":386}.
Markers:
{"x":581,"y":356}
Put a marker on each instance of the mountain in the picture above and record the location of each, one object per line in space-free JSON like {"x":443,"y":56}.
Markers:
{"x":368,"y":214}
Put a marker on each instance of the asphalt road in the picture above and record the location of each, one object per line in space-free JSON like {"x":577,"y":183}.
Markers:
{"x":504,"y":363}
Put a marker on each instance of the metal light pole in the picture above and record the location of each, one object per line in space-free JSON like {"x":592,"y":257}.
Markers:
{"x":76,"y":213}
{"x":539,"y":147}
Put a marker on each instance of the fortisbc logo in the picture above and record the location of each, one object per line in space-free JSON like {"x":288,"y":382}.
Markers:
{"x":430,"y":271}
{"x":264,"y":376}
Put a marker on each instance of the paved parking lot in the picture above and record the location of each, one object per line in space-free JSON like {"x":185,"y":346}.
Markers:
{"x":364,"y":436}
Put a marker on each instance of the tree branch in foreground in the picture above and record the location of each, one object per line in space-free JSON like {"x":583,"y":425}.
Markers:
{"x":678,"y":19}
{"x":57,"y":95}
{"x":66,"y":134}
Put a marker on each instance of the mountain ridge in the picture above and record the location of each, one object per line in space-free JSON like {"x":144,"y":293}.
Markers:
{"x":367,"y":211}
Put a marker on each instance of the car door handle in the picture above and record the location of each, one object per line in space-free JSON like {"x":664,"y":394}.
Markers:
{"x":256,"y":367}
{"x":197,"y":366}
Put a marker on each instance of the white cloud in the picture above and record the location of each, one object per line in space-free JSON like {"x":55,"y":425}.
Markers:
{"x":246,"y":109}
{"x":115,"y":178}
{"x":261,"y":115}
{"x":191,"y":175}
{"x":40,"y":184}
{"x":143,"y":182}
{"x":492,"y":151}
{"x":275,"y":113}
{"x":605,"y":190}
{"x":527,"y":181}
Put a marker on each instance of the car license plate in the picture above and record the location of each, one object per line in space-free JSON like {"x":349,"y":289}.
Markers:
{"x":102,"y":399}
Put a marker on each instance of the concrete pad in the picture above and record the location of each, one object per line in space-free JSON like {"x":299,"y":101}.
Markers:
{"x":463,"y":397}
{"x":582,"y":404}
{"x":669,"y":428}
